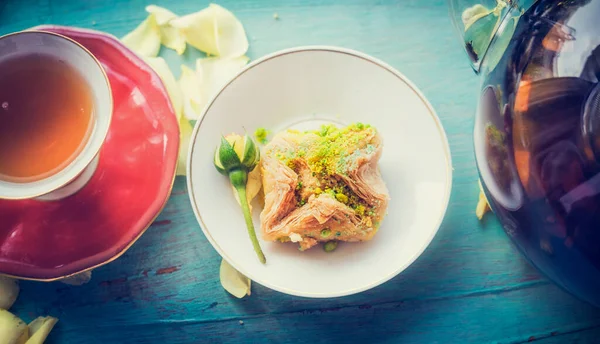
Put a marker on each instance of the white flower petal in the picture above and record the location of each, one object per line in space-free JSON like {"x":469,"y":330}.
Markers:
{"x":40,"y":328}
{"x":173,"y":38}
{"x":144,"y":40}
{"x":170,"y":37}
{"x":189,"y":83}
{"x":191,"y":110}
{"x":233,"y":281}
{"x":184,"y":142}
{"x":185,"y":128}
{"x":215,"y":31}
{"x":214,"y":73}
{"x":161,"y":68}
{"x":253,"y":186}
{"x":199,"y":30}
{"x":192,"y":93}
{"x":162,"y":15}
{"x":231,"y":37}
{"x":12,"y":328}
{"x":9,"y":290}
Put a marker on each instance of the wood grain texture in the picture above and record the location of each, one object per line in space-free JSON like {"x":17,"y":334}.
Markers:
{"x":470,"y":285}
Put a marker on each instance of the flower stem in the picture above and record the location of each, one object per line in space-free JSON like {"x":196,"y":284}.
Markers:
{"x":248,"y":217}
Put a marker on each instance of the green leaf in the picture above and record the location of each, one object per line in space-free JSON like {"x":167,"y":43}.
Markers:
{"x":249,"y":153}
{"x":228,"y":159}
{"x":218,"y":164}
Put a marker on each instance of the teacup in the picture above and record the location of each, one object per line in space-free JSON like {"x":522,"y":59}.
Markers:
{"x":35,"y":141}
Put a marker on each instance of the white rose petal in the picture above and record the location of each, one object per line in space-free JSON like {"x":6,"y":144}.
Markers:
{"x":170,"y":36}
{"x":213,"y":73}
{"x":215,"y":31}
{"x":161,"y":68}
{"x":175,"y":94}
{"x":40,"y":328}
{"x":233,"y":281}
{"x":12,"y":328}
{"x":192,"y":93}
{"x":9,"y":290}
{"x":186,"y":134}
{"x":144,"y":40}
{"x":162,"y":15}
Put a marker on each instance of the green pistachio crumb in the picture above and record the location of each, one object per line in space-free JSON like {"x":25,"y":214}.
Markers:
{"x":261,"y":135}
{"x":360,"y":210}
{"x":341,"y":197}
{"x":330,"y":246}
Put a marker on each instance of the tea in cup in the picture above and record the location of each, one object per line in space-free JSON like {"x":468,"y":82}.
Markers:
{"x":55,"y":112}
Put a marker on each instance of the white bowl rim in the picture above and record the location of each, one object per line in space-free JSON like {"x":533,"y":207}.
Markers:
{"x":367,"y":58}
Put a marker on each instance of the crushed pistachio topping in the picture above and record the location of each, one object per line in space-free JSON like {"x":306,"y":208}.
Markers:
{"x":330,"y":152}
{"x":261,"y":135}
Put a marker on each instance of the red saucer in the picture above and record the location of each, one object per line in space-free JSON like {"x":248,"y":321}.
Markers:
{"x":50,"y":240}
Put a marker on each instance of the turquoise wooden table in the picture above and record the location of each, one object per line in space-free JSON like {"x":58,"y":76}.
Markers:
{"x":470,"y":285}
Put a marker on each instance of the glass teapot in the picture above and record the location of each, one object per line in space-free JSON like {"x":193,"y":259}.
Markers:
{"x":537,"y":129}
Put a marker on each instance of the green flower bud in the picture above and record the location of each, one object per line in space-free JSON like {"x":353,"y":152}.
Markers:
{"x":235,"y":157}
{"x":236,"y":153}
{"x":251,"y":155}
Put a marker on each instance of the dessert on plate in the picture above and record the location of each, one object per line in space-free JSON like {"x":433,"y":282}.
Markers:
{"x":323,"y":185}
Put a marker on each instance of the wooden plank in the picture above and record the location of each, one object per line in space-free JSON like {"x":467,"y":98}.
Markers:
{"x":584,"y":336}
{"x":490,"y":318}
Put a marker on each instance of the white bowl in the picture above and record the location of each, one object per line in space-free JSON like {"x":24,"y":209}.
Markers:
{"x":303,"y":88}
